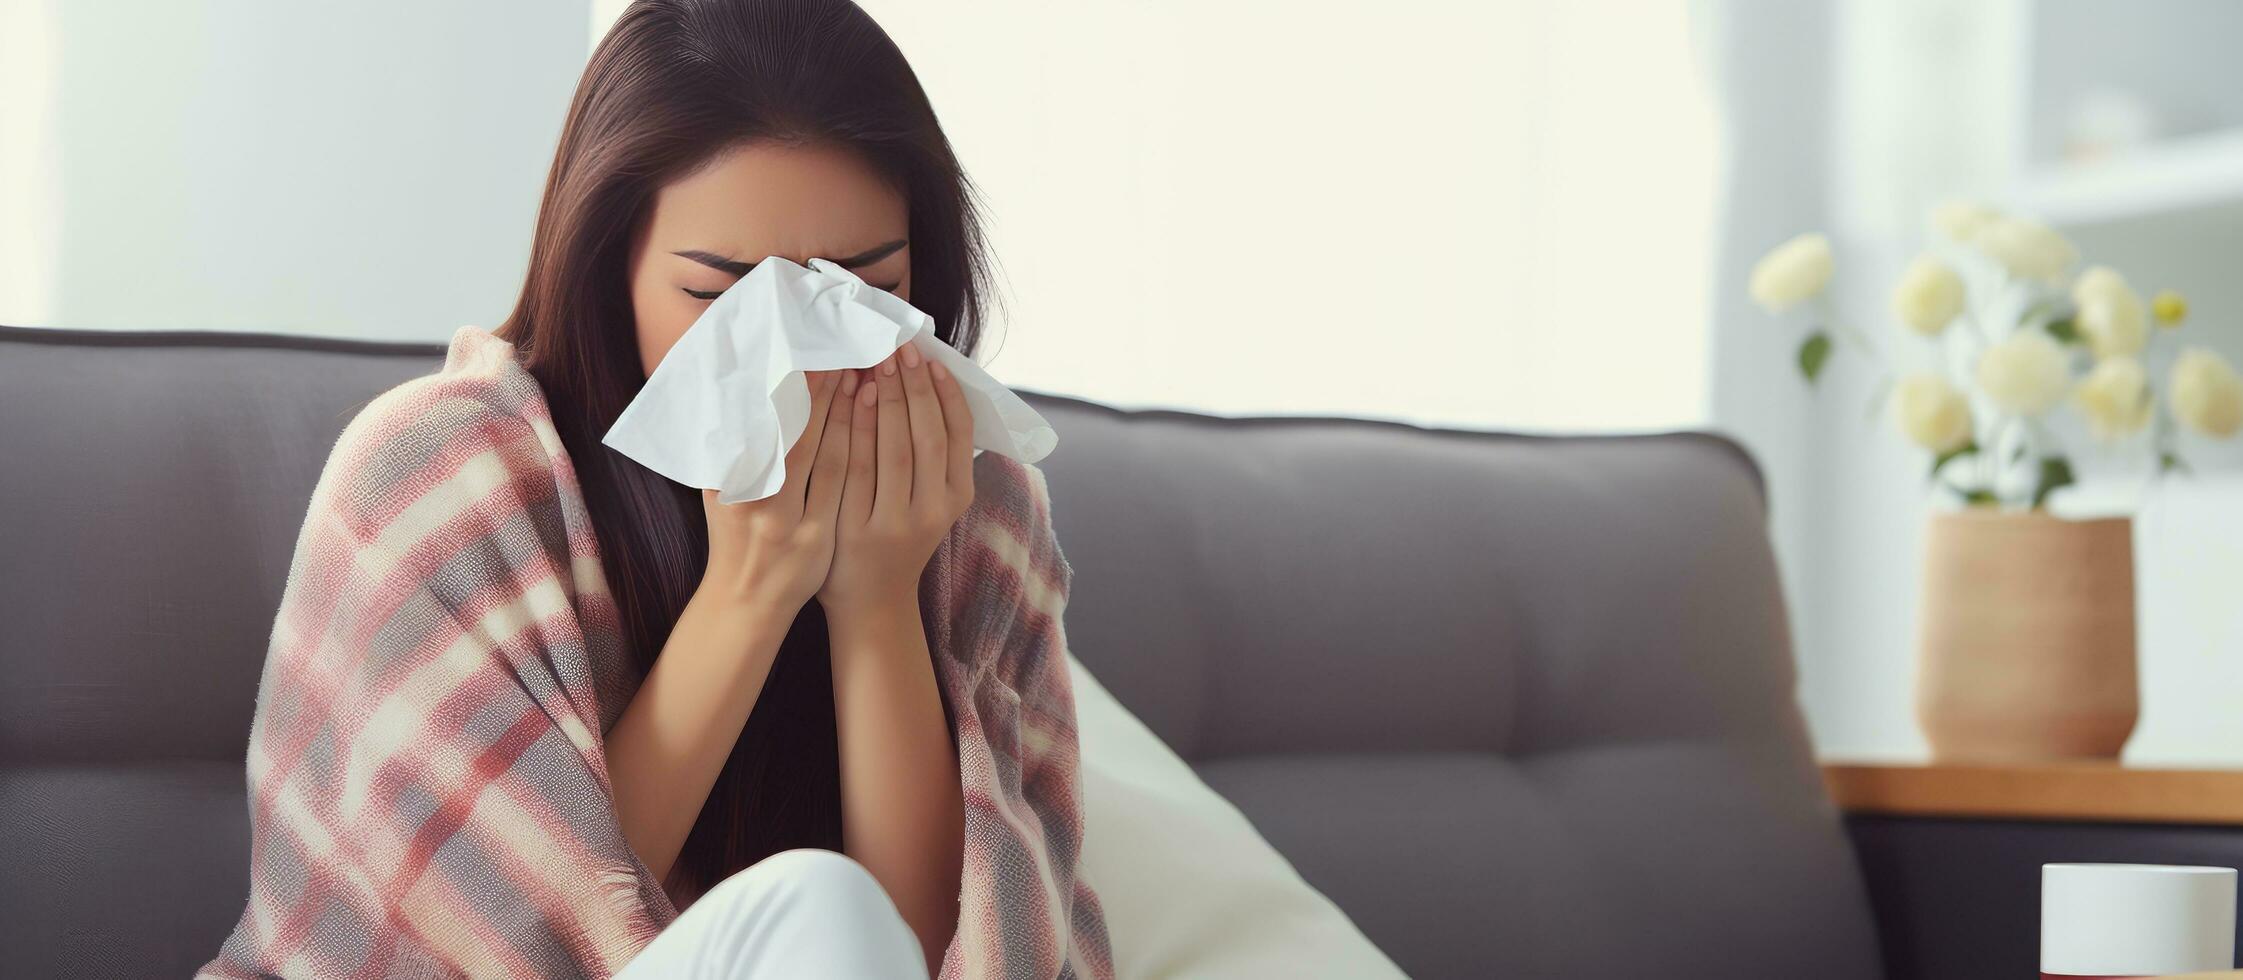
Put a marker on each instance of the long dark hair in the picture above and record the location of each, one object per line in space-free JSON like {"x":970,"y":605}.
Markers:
{"x":675,"y":83}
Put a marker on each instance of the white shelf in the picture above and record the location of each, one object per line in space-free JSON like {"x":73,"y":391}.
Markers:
{"x":2191,"y":173}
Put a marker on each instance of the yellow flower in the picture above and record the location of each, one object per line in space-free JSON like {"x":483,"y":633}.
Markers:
{"x":2115,"y":397}
{"x":2110,"y":313}
{"x":2170,"y":307}
{"x":2024,"y":374}
{"x":1962,"y":220}
{"x":2207,"y":395}
{"x":1932,"y":413}
{"x":1928,"y":296}
{"x":1792,"y":273}
{"x":2029,"y":249}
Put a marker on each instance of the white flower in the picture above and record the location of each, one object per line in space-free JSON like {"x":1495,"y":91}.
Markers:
{"x":2024,"y":374}
{"x":2115,"y":397}
{"x":1932,"y":413}
{"x":2029,"y":249}
{"x":1928,"y":296}
{"x":1962,"y":220}
{"x":2207,"y":396}
{"x":2111,"y":315}
{"x":1792,"y":273}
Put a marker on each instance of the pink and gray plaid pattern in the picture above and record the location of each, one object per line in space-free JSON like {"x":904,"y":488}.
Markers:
{"x":428,"y":794}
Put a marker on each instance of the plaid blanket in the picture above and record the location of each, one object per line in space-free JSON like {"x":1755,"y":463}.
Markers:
{"x":428,"y":796}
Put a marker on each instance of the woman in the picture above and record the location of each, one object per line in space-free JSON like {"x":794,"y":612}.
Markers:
{"x":532,"y":709}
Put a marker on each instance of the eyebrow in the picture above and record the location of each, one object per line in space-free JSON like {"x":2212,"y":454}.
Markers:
{"x":732,"y":266}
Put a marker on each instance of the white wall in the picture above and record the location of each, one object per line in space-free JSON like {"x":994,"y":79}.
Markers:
{"x":30,"y":164}
{"x":1770,"y":61}
{"x":366,"y":170}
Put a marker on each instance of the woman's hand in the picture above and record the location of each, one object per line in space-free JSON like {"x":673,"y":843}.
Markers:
{"x":911,"y":476}
{"x":773,"y":553}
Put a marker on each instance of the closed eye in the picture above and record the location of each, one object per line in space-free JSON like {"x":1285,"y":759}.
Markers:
{"x":707,"y":294}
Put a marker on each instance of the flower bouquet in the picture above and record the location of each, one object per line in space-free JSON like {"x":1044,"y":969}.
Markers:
{"x":2028,"y":622}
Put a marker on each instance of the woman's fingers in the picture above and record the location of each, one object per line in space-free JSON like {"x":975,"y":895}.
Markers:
{"x":929,"y":438}
{"x":830,"y":473}
{"x":864,"y":430}
{"x":910,"y":436}
{"x":893,"y":496}
{"x":958,"y":418}
{"x":805,"y":446}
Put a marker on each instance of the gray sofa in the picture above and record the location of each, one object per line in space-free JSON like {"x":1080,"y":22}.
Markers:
{"x":1522,"y":706}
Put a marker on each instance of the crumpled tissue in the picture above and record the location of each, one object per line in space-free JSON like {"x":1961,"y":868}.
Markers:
{"x":727,"y":402}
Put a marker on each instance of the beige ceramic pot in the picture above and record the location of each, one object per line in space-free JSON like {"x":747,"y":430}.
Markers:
{"x":2028,"y":637}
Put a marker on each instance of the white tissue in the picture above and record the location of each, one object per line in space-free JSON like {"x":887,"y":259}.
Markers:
{"x":727,"y":402}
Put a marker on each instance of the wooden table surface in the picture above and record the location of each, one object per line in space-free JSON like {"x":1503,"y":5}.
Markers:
{"x":2085,"y":791}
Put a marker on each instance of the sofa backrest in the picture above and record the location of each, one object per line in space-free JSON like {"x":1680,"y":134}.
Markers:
{"x":1521,"y":706}
{"x":151,"y":491}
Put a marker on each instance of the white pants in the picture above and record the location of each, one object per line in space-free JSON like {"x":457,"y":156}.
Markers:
{"x":799,"y":913}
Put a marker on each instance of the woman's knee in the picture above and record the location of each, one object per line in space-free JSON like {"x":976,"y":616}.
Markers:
{"x":816,"y":863}
{"x":796,"y":913}
{"x":809,"y":875}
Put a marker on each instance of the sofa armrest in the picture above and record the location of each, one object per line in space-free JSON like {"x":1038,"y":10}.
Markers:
{"x":1951,"y":856}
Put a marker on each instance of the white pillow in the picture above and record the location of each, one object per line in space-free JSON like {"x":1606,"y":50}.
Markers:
{"x":1188,"y":887}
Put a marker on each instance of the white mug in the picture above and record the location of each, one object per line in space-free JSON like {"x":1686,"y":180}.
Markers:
{"x":2133,"y":920}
